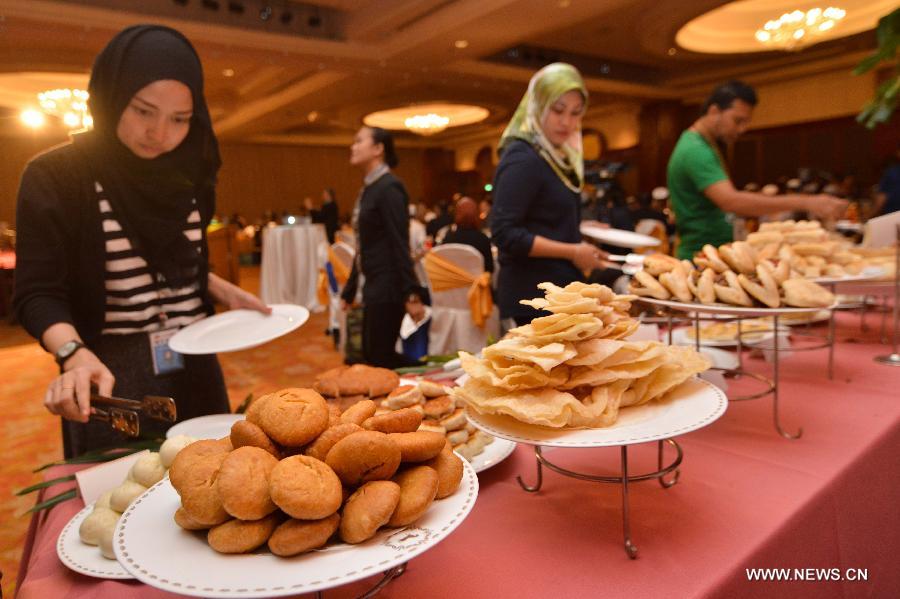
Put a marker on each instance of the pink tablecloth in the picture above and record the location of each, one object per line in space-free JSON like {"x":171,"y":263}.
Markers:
{"x":747,"y":498}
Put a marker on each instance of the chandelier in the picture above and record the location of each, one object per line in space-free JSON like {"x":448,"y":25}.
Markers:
{"x":795,"y":29}
{"x":70,"y":105}
{"x":426,"y":124}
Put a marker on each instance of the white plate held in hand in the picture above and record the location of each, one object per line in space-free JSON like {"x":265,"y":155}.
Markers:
{"x":238,"y":329}
{"x":619,"y":237}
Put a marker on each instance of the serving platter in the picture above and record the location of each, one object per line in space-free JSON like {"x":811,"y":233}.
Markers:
{"x":86,"y":559}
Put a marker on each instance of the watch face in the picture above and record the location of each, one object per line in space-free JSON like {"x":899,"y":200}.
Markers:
{"x":67,"y":349}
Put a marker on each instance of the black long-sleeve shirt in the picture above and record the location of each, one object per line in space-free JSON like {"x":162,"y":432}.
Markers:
{"x":60,"y":252}
{"x":383,"y":244}
{"x":530,"y":200}
{"x":328,"y":216}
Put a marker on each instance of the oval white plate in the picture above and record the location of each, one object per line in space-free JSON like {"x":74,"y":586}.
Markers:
{"x":151,"y":546}
{"x":493,"y":454}
{"x":83,"y":558}
{"x":681,"y":337}
{"x":213,"y":426}
{"x":619,"y":237}
{"x":238,"y":329}
{"x":692,"y":405}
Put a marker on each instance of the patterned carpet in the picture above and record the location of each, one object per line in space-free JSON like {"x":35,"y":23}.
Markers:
{"x":30,"y":435}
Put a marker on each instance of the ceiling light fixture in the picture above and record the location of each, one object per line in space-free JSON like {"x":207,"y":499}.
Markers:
{"x":793,"y":30}
{"x":70,"y":105}
{"x":32,"y":118}
{"x":228,"y":72}
{"x":426,"y":124}
{"x":461,"y":44}
{"x":427,"y":119}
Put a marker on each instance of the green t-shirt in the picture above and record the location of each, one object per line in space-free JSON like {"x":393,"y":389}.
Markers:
{"x":693,"y":167}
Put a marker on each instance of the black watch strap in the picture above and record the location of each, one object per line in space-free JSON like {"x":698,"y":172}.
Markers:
{"x":66,"y":350}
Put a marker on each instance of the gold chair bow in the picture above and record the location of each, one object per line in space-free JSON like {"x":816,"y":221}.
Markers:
{"x":445,"y":275}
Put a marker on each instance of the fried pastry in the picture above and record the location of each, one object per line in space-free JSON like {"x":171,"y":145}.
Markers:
{"x":419,"y":446}
{"x":368,"y":509}
{"x":242,"y":536}
{"x":293,"y":417}
{"x":294,"y":537}
{"x":305,"y":488}
{"x":243,"y":483}
{"x":364,"y":456}
{"x":449,"y":469}
{"x":405,"y":420}
{"x":322,"y":445}
{"x":246,"y":434}
{"x":418,"y":487}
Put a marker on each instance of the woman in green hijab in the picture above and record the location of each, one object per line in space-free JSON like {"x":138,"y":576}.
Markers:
{"x":537,"y":192}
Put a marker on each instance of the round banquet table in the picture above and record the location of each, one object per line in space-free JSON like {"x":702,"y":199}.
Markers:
{"x":291,"y":258}
{"x":746,"y":499}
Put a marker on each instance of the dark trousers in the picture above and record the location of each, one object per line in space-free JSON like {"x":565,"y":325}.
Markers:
{"x":381,"y":328}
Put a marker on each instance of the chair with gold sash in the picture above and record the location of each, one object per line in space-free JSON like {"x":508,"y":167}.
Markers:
{"x":463,"y":313}
{"x":340,"y":261}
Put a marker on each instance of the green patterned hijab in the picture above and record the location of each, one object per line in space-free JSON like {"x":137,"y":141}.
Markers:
{"x":545,"y":88}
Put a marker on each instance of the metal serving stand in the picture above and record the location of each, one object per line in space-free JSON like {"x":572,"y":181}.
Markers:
{"x":738,"y":314}
{"x":714,"y":405}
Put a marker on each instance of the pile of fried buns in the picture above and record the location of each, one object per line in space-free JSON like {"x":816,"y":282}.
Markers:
{"x":574,"y":368}
{"x":347,"y":385}
{"x":736,"y":274}
{"x":298,"y":472}
{"x":441,"y":413}
{"x":812,"y":252}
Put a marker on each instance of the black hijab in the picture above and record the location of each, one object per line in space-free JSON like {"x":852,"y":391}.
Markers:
{"x":152,"y":197}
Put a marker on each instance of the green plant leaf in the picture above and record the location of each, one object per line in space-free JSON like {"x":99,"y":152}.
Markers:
{"x":45,"y":484}
{"x":53,"y":501}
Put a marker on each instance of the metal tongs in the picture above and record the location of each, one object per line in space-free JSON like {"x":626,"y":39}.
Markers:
{"x":632,"y":262}
{"x":124,"y":414}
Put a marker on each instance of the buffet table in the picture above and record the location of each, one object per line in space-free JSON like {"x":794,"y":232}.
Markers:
{"x":746,"y":499}
{"x":291,"y":258}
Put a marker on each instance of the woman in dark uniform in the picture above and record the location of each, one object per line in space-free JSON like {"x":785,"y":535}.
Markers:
{"x":537,"y":186}
{"x":382,"y":266}
{"x":112,"y":254}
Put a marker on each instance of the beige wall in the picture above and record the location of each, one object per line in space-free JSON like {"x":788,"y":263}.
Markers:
{"x":254,"y":178}
{"x":621,"y":128}
{"x":824,"y":96}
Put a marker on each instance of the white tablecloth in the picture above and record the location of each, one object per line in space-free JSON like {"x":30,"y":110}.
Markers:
{"x":291,"y":258}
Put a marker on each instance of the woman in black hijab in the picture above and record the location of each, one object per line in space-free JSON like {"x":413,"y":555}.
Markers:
{"x":112,"y":256}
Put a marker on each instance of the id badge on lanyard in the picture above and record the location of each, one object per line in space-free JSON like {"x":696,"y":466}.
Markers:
{"x":165,"y":359}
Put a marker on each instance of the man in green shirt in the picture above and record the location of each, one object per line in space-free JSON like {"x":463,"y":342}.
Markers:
{"x":699,"y":185}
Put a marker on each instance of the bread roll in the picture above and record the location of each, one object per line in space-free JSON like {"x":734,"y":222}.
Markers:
{"x":170,"y":448}
{"x":148,"y":469}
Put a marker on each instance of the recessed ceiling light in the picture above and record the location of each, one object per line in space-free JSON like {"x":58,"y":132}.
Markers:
{"x":228,"y":72}
{"x":565,"y":3}
{"x":672,"y":51}
{"x":313,"y":116}
{"x":461,"y":44}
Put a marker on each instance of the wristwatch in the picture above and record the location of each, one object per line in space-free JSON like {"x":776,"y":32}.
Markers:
{"x":66,"y":350}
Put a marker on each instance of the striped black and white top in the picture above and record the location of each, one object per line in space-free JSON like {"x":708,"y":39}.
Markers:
{"x":136,"y":301}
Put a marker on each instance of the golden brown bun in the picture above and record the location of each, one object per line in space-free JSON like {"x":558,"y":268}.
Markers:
{"x":368,"y":509}
{"x":242,"y":536}
{"x":449,"y":469}
{"x":184,"y":520}
{"x":455,"y":420}
{"x":254,"y":410}
{"x":322,"y":445}
{"x":765,"y":289}
{"x":644,"y":284}
{"x":675,"y":281}
{"x":657,"y":264}
{"x":711,"y":255}
{"x":200,"y":491}
{"x":431,"y":390}
{"x":801,"y":293}
{"x":247,"y":434}
{"x":418,"y":446}
{"x":293,"y":417}
{"x":418,"y":487}
{"x":732,"y":293}
{"x":740,"y":256}
{"x":334,"y":413}
{"x":243,"y":483}
{"x":299,"y":536}
{"x":402,"y":421}
{"x":404,"y":397}
{"x":364,"y":456}
{"x":305,"y":488}
{"x":358,"y":379}
{"x":358,"y":413}
{"x":183,"y":461}
{"x":439,"y":407}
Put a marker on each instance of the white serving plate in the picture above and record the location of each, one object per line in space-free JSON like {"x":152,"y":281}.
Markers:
{"x":618,"y":237}
{"x":159,"y":553}
{"x":83,"y":558}
{"x":692,"y":405}
{"x":238,"y":329}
